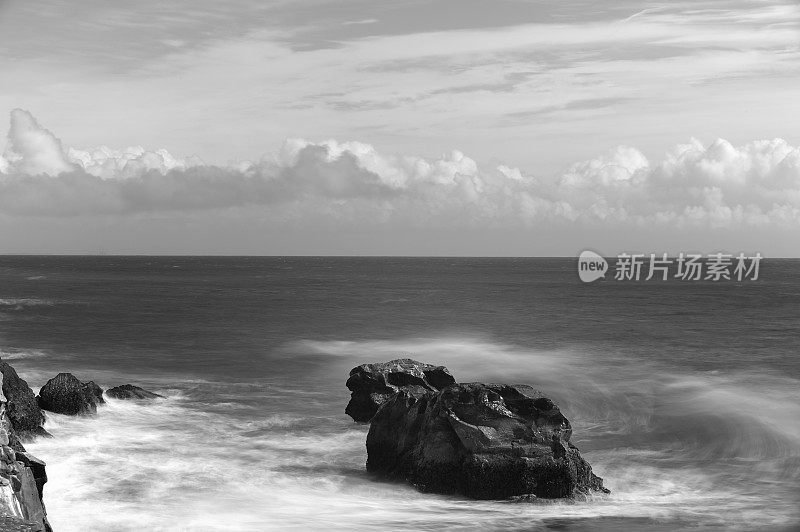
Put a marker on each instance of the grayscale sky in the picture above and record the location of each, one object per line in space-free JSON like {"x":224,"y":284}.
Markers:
{"x":447,"y":127}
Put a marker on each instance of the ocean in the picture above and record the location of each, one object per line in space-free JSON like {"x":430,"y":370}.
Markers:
{"x":684,"y":396}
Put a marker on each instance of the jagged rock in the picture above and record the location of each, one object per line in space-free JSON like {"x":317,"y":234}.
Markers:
{"x":37,"y":468}
{"x":485,"y":441}
{"x":373,"y":384}
{"x":65,"y":394}
{"x":22,"y":408}
{"x":15,"y":524}
{"x":129,"y":391}
{"x":22,"y":477}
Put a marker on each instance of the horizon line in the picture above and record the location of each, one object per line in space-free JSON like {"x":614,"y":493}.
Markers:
{"x":221,"y":255}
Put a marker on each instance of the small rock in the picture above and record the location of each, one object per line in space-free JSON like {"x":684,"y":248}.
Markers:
{"x":129,"y":391}
{"x":528,"y":497}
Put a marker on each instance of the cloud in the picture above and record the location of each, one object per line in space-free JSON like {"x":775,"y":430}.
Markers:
{"x":108,"y":163}
{"x":32,"y":149}
{"x":719,"y":185}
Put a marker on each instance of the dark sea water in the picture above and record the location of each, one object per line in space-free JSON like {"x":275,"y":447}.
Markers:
{"x":684,"y":396}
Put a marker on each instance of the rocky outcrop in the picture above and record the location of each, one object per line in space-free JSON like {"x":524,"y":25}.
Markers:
{"x":65,"y":394}
{"x":485,"y":441}
{"x":129,"y":391}
{"x":22,"y":408}
{"x":373,"y":384}
{"x":22,"y":479}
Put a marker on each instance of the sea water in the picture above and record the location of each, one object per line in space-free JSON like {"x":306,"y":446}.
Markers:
{"x":684,"y":396}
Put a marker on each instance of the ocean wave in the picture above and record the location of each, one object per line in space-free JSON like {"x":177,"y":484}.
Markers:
{"x":675,"y":441}
{"x":620,"y":393}
{"x":469,"y":359}
{"x":165,"y":466}
{"x":19,"y":354}
{"x":680,"y":450}
{"x":23,"y":302}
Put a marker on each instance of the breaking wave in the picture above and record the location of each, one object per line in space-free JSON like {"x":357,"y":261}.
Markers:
{"x":22,"y":302}
{"x":679,"y":449}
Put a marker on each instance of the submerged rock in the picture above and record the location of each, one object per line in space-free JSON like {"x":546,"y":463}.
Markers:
{"x":22,"y":408}
{"x":373,"y":384}
{"x":129,"y":391}
{"x":65,"y":394}
{"x":485,"y":441}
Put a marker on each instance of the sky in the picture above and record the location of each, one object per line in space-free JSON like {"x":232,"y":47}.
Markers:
{"x":404,"y":127}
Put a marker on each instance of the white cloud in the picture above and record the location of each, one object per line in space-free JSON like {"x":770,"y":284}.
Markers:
{"x":109,"y":164}
{"x":719,"y":185}
{"x":32,"y":149}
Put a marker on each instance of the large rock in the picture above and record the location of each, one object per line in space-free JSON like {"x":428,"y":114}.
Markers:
{"x":65,"y":394}
{"x":485,"y":441}
{"x":22,"y":408}
{"x":22,"y":479}
{"x":373,"y":384}
{"x":129,"y":391}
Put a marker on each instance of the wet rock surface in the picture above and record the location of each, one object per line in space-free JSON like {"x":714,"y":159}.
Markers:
{"x":65,"y":394}
{"x":484,"y":441}
{"x":22,"y":478}
{"x":22,"y":407}
{"x":129,"y":391}
{"x":373,"y":384}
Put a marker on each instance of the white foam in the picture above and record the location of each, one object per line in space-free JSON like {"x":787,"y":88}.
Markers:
{"x":26,"y":302}
{"x":19,"y":354}
{"x":185,"y":464}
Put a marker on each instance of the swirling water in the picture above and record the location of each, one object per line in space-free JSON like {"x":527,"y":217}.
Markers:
{"x":683,"y":396}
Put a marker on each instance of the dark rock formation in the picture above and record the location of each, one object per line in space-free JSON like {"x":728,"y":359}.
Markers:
{"x":374,"y":384}
{"x":22,"y":408}
{"x":485,"y":441}
{"x":65,"y":394}
{"x":129,"y":391}
{"x":22,"y":475}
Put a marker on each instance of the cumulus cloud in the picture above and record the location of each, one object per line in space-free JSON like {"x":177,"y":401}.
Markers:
{"x":718,"y":185}
{"x":32,"y":149}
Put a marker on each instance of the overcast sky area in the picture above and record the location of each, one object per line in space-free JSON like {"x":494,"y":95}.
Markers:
{"x":402,"y":127}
